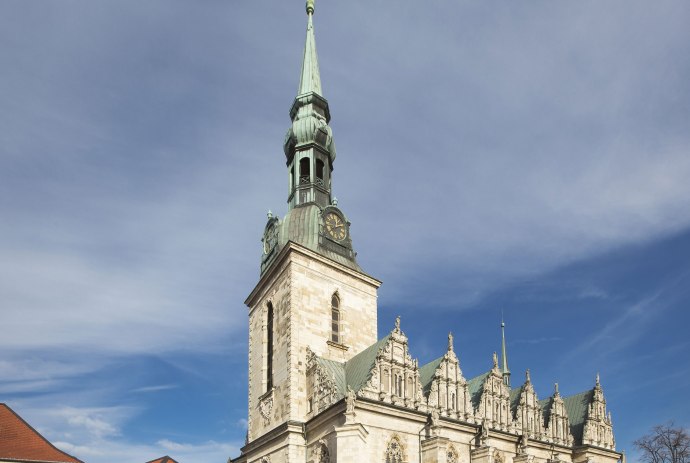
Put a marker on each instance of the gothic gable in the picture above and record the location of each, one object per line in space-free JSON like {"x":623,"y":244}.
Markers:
{"x":445,"y":387}
{"x":494,"y":400}
{"x":528,"y":418}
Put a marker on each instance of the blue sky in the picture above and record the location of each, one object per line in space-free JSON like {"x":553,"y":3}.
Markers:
{"x":531,"y":158}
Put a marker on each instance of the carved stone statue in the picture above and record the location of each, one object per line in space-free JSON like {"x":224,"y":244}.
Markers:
{"x":484,"y":436}
{"x":524,"y":443}
{"x":435,"y":421}
{"x":350,"y":399}
{"x":397,"y":323}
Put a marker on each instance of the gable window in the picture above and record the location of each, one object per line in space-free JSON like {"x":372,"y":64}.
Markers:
{"x":335,"y":319}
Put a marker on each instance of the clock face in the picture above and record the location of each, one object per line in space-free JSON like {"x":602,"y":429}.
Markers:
{"x":335,"y":226}
{"x":269,"y":239}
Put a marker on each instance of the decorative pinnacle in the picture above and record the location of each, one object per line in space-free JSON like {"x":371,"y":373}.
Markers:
{"x":598,"y":384}
{"x":495,"y":360}
{"x":270,"y":214}
{"x":555,"y":389}
{"x":450,"y":342}
{"x":310,"y":6}
{"x":527,"y":377}
{"x":397,"y":323}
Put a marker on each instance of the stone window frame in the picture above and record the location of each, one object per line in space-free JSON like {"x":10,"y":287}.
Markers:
{"x":269,"y":346}
{"x":336,"y":319}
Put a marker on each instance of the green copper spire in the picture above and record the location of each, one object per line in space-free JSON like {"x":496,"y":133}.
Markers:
{"x":310,"y":79}
{"x":309,"y":146}
{"x":504,"y":356}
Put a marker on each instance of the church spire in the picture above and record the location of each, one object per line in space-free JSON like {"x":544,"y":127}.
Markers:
{"x":504,"y":356}
{"x":309,"y":146}
{"x":310,"y":79}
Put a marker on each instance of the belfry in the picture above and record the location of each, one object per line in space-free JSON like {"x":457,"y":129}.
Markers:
{"x":323,"y":388}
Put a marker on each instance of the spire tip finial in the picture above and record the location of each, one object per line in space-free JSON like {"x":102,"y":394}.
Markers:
{"x":310,"y":7}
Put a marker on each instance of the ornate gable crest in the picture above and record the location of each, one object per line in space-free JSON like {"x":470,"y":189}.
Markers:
{"x":494,"y":404}
{"x":529,"y":414}
{"x":449,"y":391}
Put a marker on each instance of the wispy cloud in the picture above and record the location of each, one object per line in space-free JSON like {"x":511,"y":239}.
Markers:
{"x":162,"y":387}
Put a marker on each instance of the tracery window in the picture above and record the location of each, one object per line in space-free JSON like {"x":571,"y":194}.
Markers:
{"x":394,"y":451}
{"x":335,"y":318}
{"x":452,"y":455}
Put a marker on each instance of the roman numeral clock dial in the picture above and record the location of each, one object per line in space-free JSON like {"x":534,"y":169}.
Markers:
{"x":335,"y":226}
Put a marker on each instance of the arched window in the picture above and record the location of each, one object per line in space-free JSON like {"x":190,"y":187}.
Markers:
{"x":335,"y":318}
{"x":269,"y":347}
{"x":398,"y":385}
{"x":304,"y":172}
{"x":319,"y":172}
{"x":453,"y":406}
{"x":394,"y":451}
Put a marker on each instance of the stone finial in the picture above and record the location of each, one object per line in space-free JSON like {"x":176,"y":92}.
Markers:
{"x":495,"y":359}
{"x":310,"y":6}
{"x":598,"y":383}
{"x":335,"y":201}
{"x":450,"y":341}
{"x":397,"y":323}
{"x":527,"y":377}
{"x":270,"y":214}
{"x":555,"y":389}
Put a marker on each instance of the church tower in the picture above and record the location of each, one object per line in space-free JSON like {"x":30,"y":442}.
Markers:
{"x":312,"y":296}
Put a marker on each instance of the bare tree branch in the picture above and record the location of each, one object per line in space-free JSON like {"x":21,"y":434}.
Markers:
{"x":666,"y":443}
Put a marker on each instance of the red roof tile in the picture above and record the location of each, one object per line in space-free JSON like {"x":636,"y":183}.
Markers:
{"x":165,"y":459}
{"x":20,"y":442}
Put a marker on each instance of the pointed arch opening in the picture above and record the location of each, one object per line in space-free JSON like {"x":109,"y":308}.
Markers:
{"x":335,"y":319}
{"x":269,"y":347}
{"x":394,"y":451}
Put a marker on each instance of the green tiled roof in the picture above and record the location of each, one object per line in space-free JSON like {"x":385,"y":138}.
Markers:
{"x":475,"y":387}
{"x":426,"y":373}
{"x":577,"y":407}
{"x":546,"y":409}
{"x":357,"y":369}
{"x":515,"y":399}
{"x":337,"y":372}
